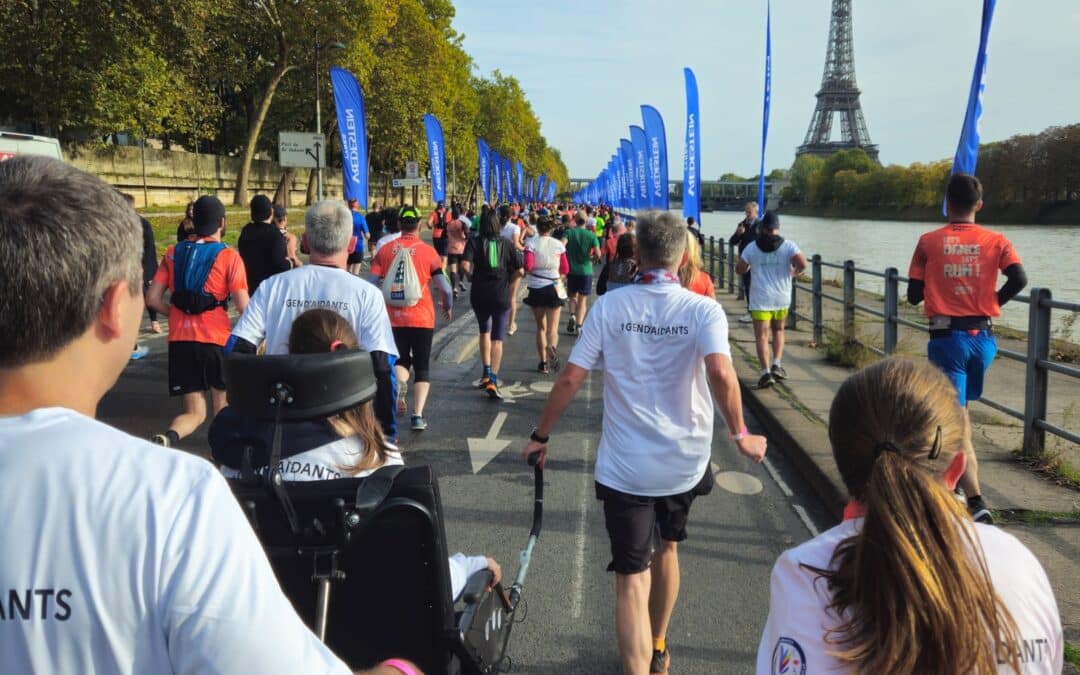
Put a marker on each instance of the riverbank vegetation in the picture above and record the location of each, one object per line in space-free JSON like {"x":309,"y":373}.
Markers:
{"x":1028,"y":178}
{"x":224,"y":76}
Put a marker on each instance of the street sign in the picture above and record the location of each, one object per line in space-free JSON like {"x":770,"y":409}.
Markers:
{"x":300,"y":149}
{"x":412,"y":169}
{"x":408,"y":182}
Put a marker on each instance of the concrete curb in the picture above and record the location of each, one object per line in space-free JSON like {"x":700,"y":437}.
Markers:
{"x":808,"y":447}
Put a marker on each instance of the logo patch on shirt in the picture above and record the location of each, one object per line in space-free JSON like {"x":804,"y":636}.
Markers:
{"x":788,"y":658}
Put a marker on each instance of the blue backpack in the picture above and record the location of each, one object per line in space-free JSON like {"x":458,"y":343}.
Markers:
{"x":192,"y":263}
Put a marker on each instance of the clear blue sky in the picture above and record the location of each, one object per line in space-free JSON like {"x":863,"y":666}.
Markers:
{"x":588,"y":65}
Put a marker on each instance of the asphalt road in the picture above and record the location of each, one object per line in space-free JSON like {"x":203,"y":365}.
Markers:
{"x":735,"y":533}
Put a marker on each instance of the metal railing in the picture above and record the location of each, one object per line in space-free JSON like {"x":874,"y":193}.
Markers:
{"x":720,"y":261}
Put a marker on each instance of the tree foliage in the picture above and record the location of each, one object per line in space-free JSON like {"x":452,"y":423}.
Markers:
{"x":226,"y":76}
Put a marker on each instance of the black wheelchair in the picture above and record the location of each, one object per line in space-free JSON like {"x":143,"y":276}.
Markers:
{"x":364,"y":560}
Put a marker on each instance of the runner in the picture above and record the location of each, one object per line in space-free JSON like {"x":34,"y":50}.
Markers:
{"x":208,"y":274}
{"x":661,"y":348}
{"x":774,"y":261}
{"x":131,"y":558}
{"x":324,"y":282}
{"x":955,"y":270}
{"x":414,"y":326}
{"x":437,"y":224}
{"x":513,"y":233}
{"x":582,"y":248}
{"x":361,"y":234}
{"x":907,"y":583}
{"x":545,"y":262}
{"x":624,"y":268}
{"x":692,"y":274}
{"x":456,"y":233}
{"x":292,"y":245}
{"x":493,"y":262}
{"x":746,"y":233}
{"x":261,"y":245}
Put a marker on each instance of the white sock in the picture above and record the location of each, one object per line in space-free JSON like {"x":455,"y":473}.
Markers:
{"x":776,"y":362}
{"x":764,"y":371}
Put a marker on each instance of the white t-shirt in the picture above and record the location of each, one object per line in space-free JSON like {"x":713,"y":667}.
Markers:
{"x":283,"y":297}
{"x":547,"y":251}
{"x":326,"y":462}
{"x":798,"y":620}
{"x":121,"y":556}
{"x":511,"y":231}
{"x":651,"y":341}
{"x":770,"y":275}
{"x":384,"y":240}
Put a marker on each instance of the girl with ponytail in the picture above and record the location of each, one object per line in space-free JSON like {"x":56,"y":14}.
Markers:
{"x":908,"y":583}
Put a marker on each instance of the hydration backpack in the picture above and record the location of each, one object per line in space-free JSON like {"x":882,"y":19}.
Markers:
{"x":192,"y":263}
{"x":488,"y":263}
{"x":401,"y":287}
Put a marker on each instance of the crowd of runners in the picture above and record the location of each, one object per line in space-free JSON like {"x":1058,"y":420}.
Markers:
{"x":166,"y":575}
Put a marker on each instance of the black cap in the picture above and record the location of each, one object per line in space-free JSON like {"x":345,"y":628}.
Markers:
{"x":770,"y":221}
{"x":207,"y":214}
{"x":261,"y":208}
{"x":279,"y":211}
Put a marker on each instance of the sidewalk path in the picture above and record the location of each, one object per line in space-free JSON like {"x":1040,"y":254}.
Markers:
{"x":796,"y":412}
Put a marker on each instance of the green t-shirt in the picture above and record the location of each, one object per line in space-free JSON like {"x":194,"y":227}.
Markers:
{"x":578,"y":242}
{"x":600,"y":226}
{"x":475,"y":223}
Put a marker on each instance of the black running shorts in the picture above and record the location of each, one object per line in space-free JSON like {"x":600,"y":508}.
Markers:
{"x":634,"y":523}
{"x":195,"y":366}
{"x":414,"y":351}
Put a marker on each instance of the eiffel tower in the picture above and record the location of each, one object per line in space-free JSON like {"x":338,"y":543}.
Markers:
{"x":838,"y":94}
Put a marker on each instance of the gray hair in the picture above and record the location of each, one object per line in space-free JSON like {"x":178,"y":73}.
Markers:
{"x":65,"y":237}
{"x":661,"y":238}
{"x":328,"y":226}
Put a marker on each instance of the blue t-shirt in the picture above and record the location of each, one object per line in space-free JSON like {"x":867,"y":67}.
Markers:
{"x":359,"y":229}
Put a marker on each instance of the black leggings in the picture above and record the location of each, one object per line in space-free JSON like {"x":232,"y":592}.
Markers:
{"x":414,"y":350}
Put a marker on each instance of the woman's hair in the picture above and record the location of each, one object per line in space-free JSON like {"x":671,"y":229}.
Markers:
{"x":693,"y":260}
{"x":912,"y":585}
{"x":489,"y":226}
{"x":624,"y":247}
{"x":545,"y":225}
{"x":320,"y":330}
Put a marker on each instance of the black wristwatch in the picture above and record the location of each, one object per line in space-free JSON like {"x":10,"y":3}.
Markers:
{"x":538,"y":438}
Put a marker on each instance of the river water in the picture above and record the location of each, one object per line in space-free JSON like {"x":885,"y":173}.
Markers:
{"x":1051,"y":254}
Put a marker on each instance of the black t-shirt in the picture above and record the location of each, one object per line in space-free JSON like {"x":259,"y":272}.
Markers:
{"x":491,"y":285}
{"x":264,"y":252}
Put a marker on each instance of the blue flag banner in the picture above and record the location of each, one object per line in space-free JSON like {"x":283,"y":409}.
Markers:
{"x":692,"y":151}
{"x":509,"y":189}
{"x":520,"y":182}
{"x":551,"y":191}
{"x":436,"y":158}
{"x":484,"y":164}
{"x":765,"y":107}
{"x":626,"y":152}
{"x":540,"y":186}
{"x":349,"y":101}
{"x":641,"y":160}
{"x":658,"y":167}
{"x":496,"y":167}
{"x":967,"y":150}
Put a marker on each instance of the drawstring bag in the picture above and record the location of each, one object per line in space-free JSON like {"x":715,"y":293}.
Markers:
{"x":401,"y":287}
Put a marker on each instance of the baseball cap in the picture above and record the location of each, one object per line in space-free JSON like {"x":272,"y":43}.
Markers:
{"x":770,"y":221}
{"x":207,"y":214}
{"x":261,"y":208}
{"x":408,"y":213}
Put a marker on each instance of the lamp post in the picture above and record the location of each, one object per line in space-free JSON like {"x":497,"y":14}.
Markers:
{"x":320,"y":158}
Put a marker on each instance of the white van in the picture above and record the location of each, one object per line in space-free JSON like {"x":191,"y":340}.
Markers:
{"x":12,"y":144}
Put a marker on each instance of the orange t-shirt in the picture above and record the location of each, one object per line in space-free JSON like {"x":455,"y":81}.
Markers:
{"x":226,"y":277}
{"x":427,"y":262}
{"x":702,"y":285}
{"x":959,"y":264}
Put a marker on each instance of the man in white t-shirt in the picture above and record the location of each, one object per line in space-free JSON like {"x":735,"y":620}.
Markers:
{"x":120,"y":556}
{"x":513,"y":233}
{"x":661,"y":348}
{"x":324,"y":283}
{"x":774,"y":261}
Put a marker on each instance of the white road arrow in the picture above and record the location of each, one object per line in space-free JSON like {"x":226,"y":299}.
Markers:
{"x":483,"y":450}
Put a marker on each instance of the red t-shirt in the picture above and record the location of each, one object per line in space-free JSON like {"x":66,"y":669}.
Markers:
{"x":959,"y":264}
{"x":427,"y":262}
{"x":226,"y":277}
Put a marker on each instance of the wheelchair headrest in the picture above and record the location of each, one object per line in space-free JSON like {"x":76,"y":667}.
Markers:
{"x":311,"y":386}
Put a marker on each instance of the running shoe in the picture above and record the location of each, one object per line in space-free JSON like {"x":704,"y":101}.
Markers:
{"x":160,"y":439}
{"x":483,"y":383}
{"x":492,"y":390}
{"x":418,"y":423}
{"x":140,"y":351}
{"x":778,"y":372}
{"x":571,"y":326}
{"x":512,"y":329}
{"x":746,"y":318}
{"x":543,"y":368}
{"x":980,"y":513}
{"x":553,"y":358}
{"x":660,"y":661}
{"x":766,"y":381}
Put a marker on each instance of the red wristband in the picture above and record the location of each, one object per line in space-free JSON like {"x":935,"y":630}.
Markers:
{"x":399,"y":665}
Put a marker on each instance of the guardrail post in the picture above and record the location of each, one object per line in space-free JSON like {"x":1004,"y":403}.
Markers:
{"x":720,"y":264}
{"x":792,"y":320}
{"x":1036,"y":381}
{"x":849,"y":300}
{"x":731,"y":267}
{"x":819,"y":325}
{"x":892,"y":308}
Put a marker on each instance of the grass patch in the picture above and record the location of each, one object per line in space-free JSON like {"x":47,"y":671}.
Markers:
{"x":1032,"y":517}
{"x":988,"y":418}
{"x":1072,"y":655}
{"x":1054,"y":466}
{"x":847,"y":353}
